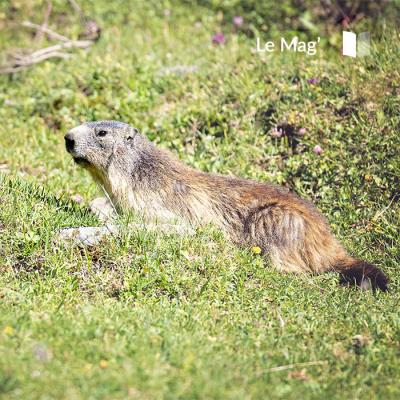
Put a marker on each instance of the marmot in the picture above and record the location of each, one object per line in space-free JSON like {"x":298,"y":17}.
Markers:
{"x":289,"y":230}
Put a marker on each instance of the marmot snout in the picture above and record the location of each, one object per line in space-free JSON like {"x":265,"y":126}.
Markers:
{"x":289,"y":230}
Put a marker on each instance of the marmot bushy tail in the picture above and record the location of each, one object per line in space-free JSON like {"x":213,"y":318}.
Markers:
{"x":139,"y":176}
{"x":363,"y":274}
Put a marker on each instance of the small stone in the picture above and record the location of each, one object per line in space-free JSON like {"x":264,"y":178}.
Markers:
{"x":42,"y":353}
{"x":4,"y":168}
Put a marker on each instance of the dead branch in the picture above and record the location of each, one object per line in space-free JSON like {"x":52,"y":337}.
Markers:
{"x":60,"y":50}
{"x":81,"y":44}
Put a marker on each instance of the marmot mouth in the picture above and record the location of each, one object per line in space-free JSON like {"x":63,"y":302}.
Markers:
{"x":81,"y":161}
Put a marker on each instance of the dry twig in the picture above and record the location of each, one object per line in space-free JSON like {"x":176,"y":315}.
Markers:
{"x":51,"y":34}
{"x":77,"y":8}
{"x":39,"y":33}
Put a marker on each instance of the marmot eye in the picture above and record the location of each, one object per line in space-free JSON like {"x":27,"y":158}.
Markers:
{"x":102,"y":133}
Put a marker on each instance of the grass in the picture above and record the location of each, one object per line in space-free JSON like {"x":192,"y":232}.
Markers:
{"x":154,"y":316}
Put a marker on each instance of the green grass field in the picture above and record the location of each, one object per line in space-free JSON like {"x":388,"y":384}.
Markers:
{"x":151,"y":316}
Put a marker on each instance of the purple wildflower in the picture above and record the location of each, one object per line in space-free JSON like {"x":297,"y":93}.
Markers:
{"x":312,"y":81}
{"x":77,"y":198}
{"x":302,"y":131}
{"x":237,"y":21}
{"x":317,"y":149}
{"x":276,"y":133}
{"x":218,"y":38}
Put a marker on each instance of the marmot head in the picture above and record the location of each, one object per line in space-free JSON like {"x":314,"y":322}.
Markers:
{"x":94,"y":144}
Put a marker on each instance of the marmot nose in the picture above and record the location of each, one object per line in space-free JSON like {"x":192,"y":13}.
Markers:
{"x":69,"y":142}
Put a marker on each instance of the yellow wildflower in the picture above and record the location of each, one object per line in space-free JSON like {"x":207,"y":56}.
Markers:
{"x":8,"y":330}
{"x":256,"y":250}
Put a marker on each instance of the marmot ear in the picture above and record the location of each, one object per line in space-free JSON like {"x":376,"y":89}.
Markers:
{"x":131,"y":134}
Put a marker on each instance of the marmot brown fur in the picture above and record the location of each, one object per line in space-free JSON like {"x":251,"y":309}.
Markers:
{"x":289,"y":230}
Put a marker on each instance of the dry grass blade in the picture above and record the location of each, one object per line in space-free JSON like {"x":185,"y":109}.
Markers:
{"x":298,"y":365}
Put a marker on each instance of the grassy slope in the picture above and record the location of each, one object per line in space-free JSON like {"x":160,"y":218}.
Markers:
{"x":151,"y":316}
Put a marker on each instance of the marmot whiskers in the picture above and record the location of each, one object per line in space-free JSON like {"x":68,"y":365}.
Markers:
{"x":289,"y":230}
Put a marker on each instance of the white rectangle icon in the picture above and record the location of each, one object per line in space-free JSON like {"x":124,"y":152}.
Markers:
{"x":349,"y":44}
{"x":363,"y":44}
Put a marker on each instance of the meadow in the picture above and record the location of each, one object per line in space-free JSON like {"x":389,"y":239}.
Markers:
{"x":146,"y":315}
